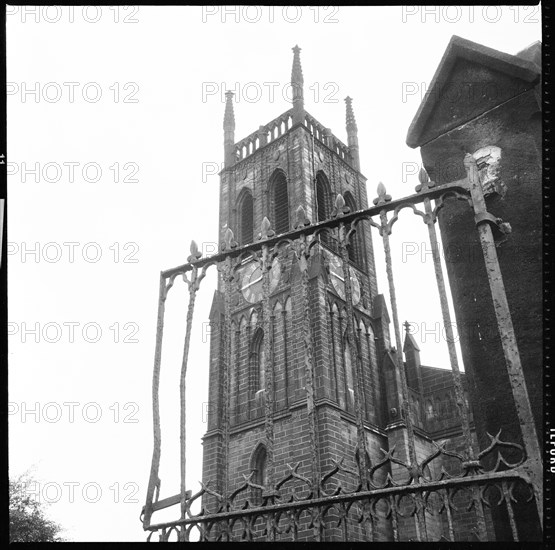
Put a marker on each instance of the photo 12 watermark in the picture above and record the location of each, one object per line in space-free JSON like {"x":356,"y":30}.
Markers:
{"x":73,"y":92}
{"x":72,"y":172}
{"x":73,"y":412}
{"x":73,"y":14}
{"x":71,"y":332}
{"x":71,"y":252}
{"x":270,"y":14}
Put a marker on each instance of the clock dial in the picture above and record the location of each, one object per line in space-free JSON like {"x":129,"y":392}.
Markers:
{"x":338,"y":280}
{"x":251,"y":281}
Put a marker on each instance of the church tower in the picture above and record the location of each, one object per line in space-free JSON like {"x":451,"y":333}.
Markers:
{"x":264,"y":416}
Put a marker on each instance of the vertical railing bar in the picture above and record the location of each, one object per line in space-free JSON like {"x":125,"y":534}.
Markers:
{"x":533,"y":463}
{"x":471,"y":463}
{"x":251,"y":412}
{"x":372,"y":377}
{"x":420,"y":520}
{"x":394,"y":518}
{"x":334,"y":359}
{"x":285,"y":354}
{"x":367,"y":508}
{"x":303,"y":254}
{"x":413,"y":462}
{"x":457,"y":382}
{"x":228,"y":276}
{"x":193,"y":285}
{"x":266,"y":264}
{"x":343,"y":361}
{"x":447,"y":505}
{"x":354,"y":348}
{"x":510,"y":511}
{"x":237,"y":368}
{"x":295,"y":528}
{"x":363,"y":382}
{"x":154,"y":481}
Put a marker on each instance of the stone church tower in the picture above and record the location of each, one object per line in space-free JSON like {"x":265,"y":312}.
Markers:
{"x":266,"y":420}
{"x":294,"y":160}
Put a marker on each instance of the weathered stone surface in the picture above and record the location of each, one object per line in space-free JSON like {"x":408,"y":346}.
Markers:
{"x":510,"y":125}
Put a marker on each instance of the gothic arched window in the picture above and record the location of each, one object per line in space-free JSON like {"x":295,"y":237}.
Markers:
{"x":259,"y":470}
{"x":258,"y":360}
{"x":245,"y":212}
{"x":323,"y":202}
{"x":280,"y":202}
{"x":355,"y":248}
{"x":323,"y":196}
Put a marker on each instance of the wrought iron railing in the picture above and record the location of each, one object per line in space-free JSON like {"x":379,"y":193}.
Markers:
{"x":378,"y":503}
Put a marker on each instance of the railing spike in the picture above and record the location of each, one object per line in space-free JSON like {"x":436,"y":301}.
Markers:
{"x":423,"y":176}
{"x":302,"y":220}
{"x":382,"y":194}
{"x":266,"y":229}
{"x":339,"y":202}
{"x":229,"y":239}
{"x":195,"y":254}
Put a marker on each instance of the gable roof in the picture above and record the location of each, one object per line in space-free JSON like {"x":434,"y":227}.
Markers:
{"x":512,"y":66}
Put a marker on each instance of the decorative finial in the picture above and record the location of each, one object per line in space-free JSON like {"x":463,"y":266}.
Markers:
{"x":229,"y":240}
{"x":229,"y":115}
{"x":229,"y":131}
{"x":424,"y":180}
{"x":350,"y":116}
{"x":266,"y":230}
{"x":352,"y":133}
{"x":340,"y":207}
{"x":383,"y":197}
{"x":302,"y":220}
{"x":297,"y":82}
{"x":195,"y":254}
{"x":407,"y":327}
{"x":339,"y":202}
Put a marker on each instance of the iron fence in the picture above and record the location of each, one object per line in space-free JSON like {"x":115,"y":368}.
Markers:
{"x":377,"y":504}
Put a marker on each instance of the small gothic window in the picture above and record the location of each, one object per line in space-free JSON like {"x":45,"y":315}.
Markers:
{"x":258,"y":467}
{"x":246,"y":218}
{"x":280,"y":199}
{"x":355,"y":248}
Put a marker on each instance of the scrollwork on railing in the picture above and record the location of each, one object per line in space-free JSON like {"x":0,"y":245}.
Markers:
{"x":443,"y":494}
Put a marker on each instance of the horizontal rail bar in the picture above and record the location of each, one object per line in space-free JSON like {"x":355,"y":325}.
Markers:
{"x":516,"y":474}
{"x":432,"y":193}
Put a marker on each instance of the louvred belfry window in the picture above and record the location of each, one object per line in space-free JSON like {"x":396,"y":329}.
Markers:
{"x":246,"y":218}
{"x":280,"y":199}
{"x":323,"y":202}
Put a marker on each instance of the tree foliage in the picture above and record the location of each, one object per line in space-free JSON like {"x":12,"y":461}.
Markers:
{"x":28,"y":522}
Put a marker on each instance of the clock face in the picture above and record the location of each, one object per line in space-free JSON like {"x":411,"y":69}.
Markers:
{"x":338,"y":280}
{"x":251,"y":280}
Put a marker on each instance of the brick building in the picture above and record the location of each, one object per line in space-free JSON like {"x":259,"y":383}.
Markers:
{"x":488,"y":103}
{"x":293,"y":161}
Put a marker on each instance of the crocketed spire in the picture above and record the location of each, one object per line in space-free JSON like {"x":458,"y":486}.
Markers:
{"x":297,"y":82}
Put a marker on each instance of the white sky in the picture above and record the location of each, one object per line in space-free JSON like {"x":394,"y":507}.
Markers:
{"x":173,"y":136}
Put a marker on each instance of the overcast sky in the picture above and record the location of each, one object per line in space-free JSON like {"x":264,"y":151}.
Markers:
{"x":118,"y":111}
